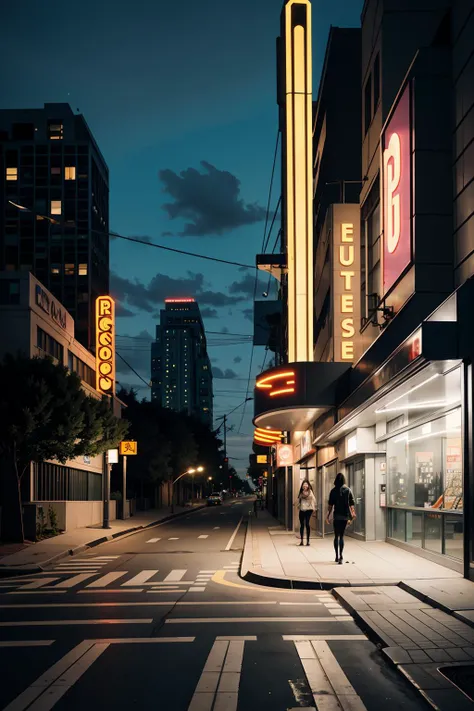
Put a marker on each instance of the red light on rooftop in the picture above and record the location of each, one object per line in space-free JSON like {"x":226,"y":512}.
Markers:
{"x":179,"y":301}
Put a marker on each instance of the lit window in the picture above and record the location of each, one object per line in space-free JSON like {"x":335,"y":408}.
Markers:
{"x":69,"y":269}
{"x":12,"y":174}
{"x":70,"y":172}
{"x":54,"y":269}
{"x":55,"y":131}
{"x":82,"y":271}
{"x":55,"y":207}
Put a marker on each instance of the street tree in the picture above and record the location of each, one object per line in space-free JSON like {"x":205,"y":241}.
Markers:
{"x":46,"y":415}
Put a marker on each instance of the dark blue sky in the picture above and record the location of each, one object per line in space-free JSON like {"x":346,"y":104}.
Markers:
{"x":180,"y":97}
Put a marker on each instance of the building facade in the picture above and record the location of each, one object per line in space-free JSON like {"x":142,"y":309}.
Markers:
{"x":181,"y":373}
{"x":398,"y":418}
{"x":51,"y":165}
{"x":34,"y":323}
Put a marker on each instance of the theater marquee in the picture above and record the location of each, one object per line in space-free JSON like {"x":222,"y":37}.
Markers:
{"x":346,"y":283}
{"x":105,"y":345}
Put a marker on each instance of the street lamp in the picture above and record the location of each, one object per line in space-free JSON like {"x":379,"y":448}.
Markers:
{"x":191,"y":471}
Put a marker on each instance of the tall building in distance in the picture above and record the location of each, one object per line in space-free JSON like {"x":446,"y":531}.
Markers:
{"x":181,"y":373}
{"x":51,"y":164}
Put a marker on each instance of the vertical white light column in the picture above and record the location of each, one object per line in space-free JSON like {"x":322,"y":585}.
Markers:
{"x":299,"y":179}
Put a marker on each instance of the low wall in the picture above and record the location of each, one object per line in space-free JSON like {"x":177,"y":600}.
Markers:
{"x":78,"y":514}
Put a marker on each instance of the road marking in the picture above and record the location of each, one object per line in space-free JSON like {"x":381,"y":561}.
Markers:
{"x":109,"y":590}
{"x":208,"y":571}
{"x":154,"y":540}
{"x":106,"y":579}
{"x":38,"y":583}
{"x":302,"y":603}
{"x":232,"y":538}
{"x":174,"y":576}
{"x":81,"y":564}
{"x":212,"y":602}
{"x":145,"y":640}
{"x":76,"y":580}
{"x":236,"y":638}
{"x":48,"y":591}
{"x":32,"y":692}
{"x":216,"y":528}
{"x":172,"y":591}
{"x":219,"y":577}
{"x":60,"y":623}
{"x":321,"y":637}
{"x":28,"y":643}
{"x":85,"y":604}
{"x":213,"y":620}
{"x":173,"y":539}
{"x":104,"y":557}
{"x":329,"y":685}
{"x":196,"y":589}
{"x":218,"y":685}
{"x":340,"y":613}
{"x":141,"y":578}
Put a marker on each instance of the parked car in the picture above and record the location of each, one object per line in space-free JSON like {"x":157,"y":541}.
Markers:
{"x":214,"y":500}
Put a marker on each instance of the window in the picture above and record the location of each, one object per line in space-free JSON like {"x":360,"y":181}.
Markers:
{"x":49,"y":345}
{"x":56,"y":207}
{"x":12,"y":174}
{"x":55,"y":131}
{"x":373,"y":251}
{"x":70,"y":172}
{"x":69,"y":269}
{"x":55,"y":170}
{"x":82,"y":271}
{"x":376,"y":81}
{"x":85,"y":372}
{"x":55,"y":268}
{"x":368,"y":103}
{"x":9,"y":292}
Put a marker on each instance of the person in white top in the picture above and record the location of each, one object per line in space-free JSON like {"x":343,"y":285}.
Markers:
{"x":307,"y":506}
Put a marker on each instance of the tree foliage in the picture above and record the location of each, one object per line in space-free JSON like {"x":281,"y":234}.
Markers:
{"x":46,"y":415}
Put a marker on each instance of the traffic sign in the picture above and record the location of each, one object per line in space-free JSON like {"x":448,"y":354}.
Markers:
{"x":129,"y":447}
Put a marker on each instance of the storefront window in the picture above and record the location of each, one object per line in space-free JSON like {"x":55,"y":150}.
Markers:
{"x":425,"y":465}
{"x":356,"y":472}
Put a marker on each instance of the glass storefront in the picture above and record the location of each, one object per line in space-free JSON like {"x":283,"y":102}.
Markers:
{"x":356,"y":480}
{"x":425,"y":484}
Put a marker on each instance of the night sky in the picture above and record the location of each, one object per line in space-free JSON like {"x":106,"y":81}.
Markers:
{"x":180,"y":97}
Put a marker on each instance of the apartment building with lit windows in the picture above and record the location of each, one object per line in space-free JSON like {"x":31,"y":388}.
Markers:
{"x":51,"y":165}
{"x":181,"y":373}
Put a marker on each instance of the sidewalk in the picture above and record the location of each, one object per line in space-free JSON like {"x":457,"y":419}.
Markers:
{"x":33,"y":556}
{"x":272,"y":556}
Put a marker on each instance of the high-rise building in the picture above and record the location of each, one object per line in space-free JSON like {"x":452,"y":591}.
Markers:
{"x":51,"y":165}
{"x":181,"y":371}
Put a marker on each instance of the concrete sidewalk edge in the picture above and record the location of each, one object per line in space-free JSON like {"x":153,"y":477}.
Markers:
{"x":435,"y":603}
{"x":252,"y":574}
{"x":11,"y":571}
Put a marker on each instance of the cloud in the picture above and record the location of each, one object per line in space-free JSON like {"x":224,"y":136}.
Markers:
{"x":208,"y":201}
{"x":227,"y":374}
{"x":245,"y":286}
{"x":237,"y":359}
{"x":137,"y":352}
{"x":248,"y":314}
{"x":146,"y":296}
{"x":122,"y":312}
{"x":207,"y":312}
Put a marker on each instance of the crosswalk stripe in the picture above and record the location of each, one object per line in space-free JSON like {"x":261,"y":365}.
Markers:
{"x":154,"y":540}
{"x":107,"y":579}
{"x":203,"y":536}
{"x":141,"y":578}
{"x":174,"y":576}
{"x":196,"y":589}
{"x":76,"y":580}
{"x":173,"y":539}
{"x":104,"y":557}
{"x":38,"y":583}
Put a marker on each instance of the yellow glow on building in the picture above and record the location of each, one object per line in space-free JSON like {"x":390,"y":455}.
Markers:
{"x":299,"y":179}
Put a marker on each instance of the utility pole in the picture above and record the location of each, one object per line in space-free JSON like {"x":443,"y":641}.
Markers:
{"x":106,"y":491}
{"x":124,"y":484}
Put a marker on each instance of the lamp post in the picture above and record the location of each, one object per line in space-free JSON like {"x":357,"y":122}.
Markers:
{"x":191,"y":471}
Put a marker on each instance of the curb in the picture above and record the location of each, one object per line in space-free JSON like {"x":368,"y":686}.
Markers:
{"x":435,"y":603}
{"x":10,"y":571}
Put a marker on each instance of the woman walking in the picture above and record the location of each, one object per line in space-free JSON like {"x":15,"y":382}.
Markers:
{"x":307,"y":506}
{"x":341,"y":500}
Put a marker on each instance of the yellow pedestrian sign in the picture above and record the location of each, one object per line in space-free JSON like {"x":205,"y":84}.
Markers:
{"x":129,"y":447}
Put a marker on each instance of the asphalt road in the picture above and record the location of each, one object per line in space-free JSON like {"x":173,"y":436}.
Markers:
{"x":161,"y":620}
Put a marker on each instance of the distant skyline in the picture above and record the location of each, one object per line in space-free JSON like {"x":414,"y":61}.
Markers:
{"x":181,"y":99}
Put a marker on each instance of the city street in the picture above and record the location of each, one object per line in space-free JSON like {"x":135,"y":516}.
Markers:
{"x":161,"y":619}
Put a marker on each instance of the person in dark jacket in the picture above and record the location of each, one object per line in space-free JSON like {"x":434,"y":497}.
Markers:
{"x":341,"y":501}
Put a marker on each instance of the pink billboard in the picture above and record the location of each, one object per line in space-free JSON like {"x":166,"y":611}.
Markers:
{"x":396,"y":187}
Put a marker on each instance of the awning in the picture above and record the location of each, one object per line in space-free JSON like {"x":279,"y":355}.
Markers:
{"x":290,"y":397}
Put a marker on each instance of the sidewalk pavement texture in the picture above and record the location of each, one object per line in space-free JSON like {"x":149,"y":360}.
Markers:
{"x":421,"y":614}
{"x":33,"y":557}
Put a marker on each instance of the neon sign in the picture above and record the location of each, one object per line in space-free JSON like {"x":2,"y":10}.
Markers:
{"x":284,"y":383}
{"x":179,"y":301}
{"x":346,"y":282}
{"x":105,"y":344}
{"x":397,"y":193}
{"x":267,"y":437}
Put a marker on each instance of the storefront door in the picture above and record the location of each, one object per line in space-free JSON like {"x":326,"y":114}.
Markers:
{"x":328,"y":483}
{"x":357,"y":484}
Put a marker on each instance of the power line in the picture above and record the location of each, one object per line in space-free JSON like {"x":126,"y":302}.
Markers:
{"x":273,"y":222}
{"x":133,"y":370}
{"x":103,"y":233}
{"x":270,"y":188}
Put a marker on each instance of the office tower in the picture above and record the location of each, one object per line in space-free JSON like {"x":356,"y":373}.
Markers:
{"x":51,"y":165}
{"x":180,"y":367}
